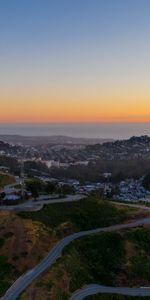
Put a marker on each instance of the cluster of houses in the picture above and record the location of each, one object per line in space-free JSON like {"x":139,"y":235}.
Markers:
{"x":79,"y":188}
{"x":58,"y":164}
{"x":88,"y":187}
{"x":127,"y":190}
{"x":13,"y":192}
{"x":132,"y":190}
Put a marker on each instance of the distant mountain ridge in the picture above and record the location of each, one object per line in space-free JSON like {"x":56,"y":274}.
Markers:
{"x":56,"y":139}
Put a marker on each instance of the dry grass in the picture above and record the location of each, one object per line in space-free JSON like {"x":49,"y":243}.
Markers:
{"x":25,"y":242}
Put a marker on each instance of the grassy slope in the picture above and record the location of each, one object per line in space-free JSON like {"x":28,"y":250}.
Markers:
{"x":22,"y":244}
{"x":6,"y":179}
{"x":33,"y":234}
{"x":104,"y":259}
{"x":93,"y":259}
{"x":85,"y":214}
{"x":27,"y":237}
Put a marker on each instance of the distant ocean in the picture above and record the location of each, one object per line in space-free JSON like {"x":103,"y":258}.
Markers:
{"x":84,"y":130}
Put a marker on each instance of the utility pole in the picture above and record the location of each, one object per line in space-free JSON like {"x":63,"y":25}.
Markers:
{"x":22,"y":178}
{"x":23,"y":174}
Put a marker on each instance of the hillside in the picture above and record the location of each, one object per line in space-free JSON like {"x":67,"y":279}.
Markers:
{"x":111,"y":259}
{"x":6,"y":179}
{"x":26,"y":238}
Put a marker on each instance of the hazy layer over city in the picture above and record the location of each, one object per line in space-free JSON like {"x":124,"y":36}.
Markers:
{"x":81,"y":130}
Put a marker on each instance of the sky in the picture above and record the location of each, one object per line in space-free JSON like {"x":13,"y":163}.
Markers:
{"x":74,"y":61}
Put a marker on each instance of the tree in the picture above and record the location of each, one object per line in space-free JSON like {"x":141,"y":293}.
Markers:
{"x":146,"y":181}
{"x":35,"y":187}
{"x":2,"y":197}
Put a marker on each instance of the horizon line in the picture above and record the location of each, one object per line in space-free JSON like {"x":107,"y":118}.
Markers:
{"x":72,"y":122}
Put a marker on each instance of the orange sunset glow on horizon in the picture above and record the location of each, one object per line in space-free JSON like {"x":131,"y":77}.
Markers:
{"x":76,"y":108}
{"x":79,"y":62}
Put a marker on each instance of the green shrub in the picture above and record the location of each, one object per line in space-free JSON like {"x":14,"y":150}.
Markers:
{"x":8,"y":235}
{"x":85,"y":214}
{"x":2,"y":242}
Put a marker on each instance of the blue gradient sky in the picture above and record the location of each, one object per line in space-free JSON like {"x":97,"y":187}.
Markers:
{"x":74,"y":60}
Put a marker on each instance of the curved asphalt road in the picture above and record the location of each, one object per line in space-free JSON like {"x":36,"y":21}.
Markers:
{"x":134,"y":205}
{"x":22,"y":282}
{"x":31,"y":205}
{"x":93,"y":289}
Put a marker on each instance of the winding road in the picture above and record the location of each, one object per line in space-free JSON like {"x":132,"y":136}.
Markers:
{"x":26,"y":279}
{"x":32,"y":205}
{"x":93,"y":289}
{"x":133,"y":205}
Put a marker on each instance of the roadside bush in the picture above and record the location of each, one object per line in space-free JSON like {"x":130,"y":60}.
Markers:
{"x":85,"y":214}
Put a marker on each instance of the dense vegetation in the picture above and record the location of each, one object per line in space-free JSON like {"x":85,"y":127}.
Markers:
{"x":10,"y":162}
{"x":37,"y":186}
{"x":120,"y":169}
{"x":33,"y":167}
{"x":94,"y":259}
{"x":63,"y":219}
{"x":6,"y":272}
{"x":146,"y":181}
{"x":102,"y":259}
{"x":98,"y":258}
{"x":140,"y":263}
{"x":85,"y":214}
